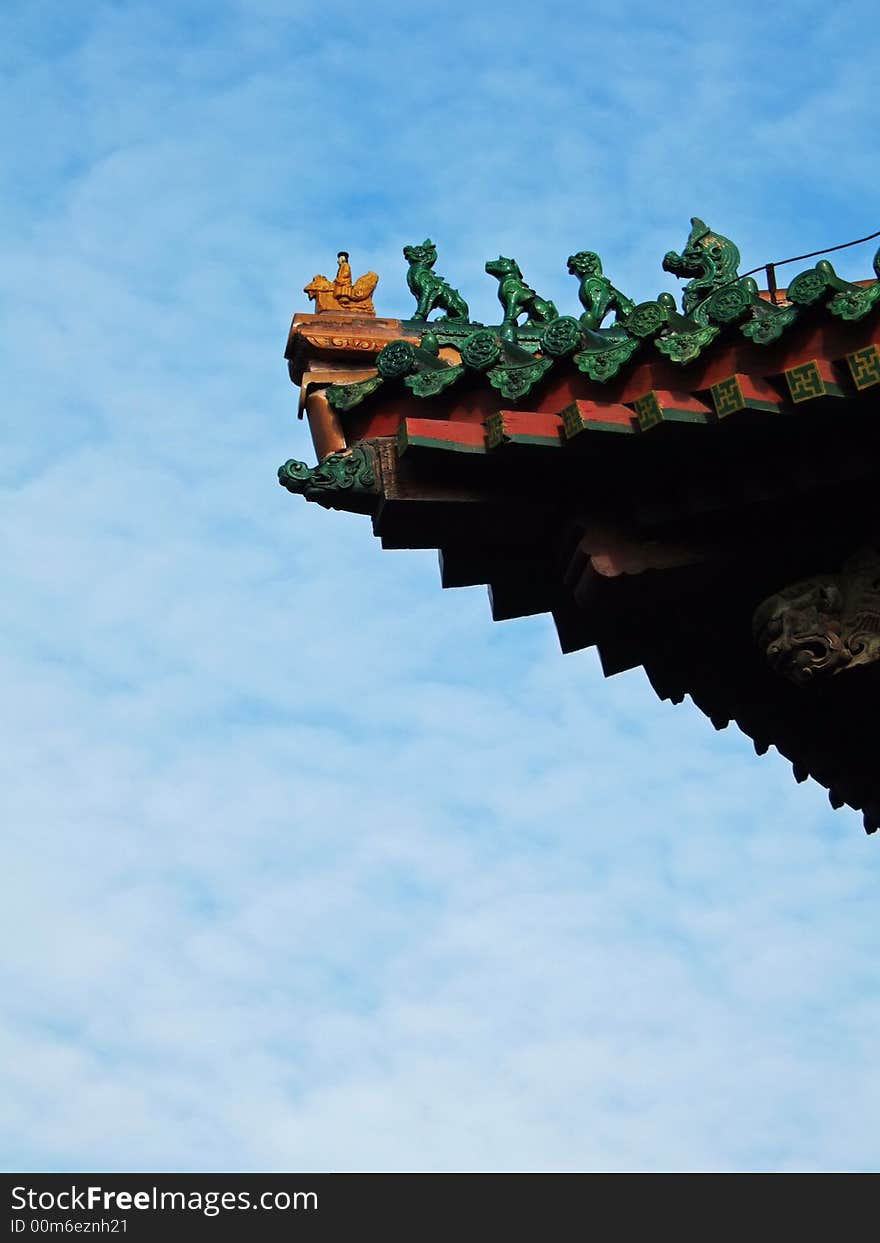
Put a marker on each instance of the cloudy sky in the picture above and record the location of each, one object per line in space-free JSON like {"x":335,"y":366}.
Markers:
{"x":306,"y":863}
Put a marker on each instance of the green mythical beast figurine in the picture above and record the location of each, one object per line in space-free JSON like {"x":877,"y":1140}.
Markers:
{"x":709,"y":258}
{"x":603,"y":350}
{"x":430,"y":290}
{"x":598,"y":296}
{"x":516,"y":296}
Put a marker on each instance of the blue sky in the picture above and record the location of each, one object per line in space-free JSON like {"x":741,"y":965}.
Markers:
{"x":308,"y":864}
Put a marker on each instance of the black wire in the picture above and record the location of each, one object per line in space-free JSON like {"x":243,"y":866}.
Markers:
{"x":780,"y":263}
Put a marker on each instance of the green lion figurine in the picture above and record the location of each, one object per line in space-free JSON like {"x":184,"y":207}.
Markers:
{"x":430,"y":290}
{"x":598,"y":296}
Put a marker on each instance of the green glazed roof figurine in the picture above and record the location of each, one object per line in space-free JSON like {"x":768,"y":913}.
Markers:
{"x":517,"y":297}
{"x":430,"y":290}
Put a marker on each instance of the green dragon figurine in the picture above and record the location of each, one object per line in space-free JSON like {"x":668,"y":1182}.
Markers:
{"x":711,"y":259}
{"x":517,"y":297}
{"x":430,"y":290}
{"x":344,"y":480}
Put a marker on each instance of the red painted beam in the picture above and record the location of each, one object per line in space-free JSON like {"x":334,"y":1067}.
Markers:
{"x":596,"y":416}
{"x":670,"y":406}
{"x":524,"y":427}
{"x":441,"y":434}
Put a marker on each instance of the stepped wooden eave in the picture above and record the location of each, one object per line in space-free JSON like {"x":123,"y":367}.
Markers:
{"x":654,"y":511}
